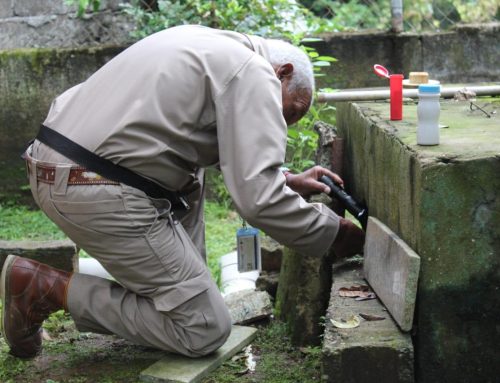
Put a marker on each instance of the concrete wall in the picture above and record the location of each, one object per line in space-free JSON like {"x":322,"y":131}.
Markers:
{"x":52,"y":23}
{"x":444,"y":201}
{"x":31,"y":78}
{"x":471,"y":53}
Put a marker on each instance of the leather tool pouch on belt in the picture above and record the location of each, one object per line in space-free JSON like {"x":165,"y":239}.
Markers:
{"x":106,"y":168}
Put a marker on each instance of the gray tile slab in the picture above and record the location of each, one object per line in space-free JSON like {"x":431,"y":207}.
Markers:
{"x":180,"y":369}
{"x":391,"y":268}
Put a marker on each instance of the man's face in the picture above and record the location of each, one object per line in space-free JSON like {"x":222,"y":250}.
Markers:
{"x":295,"y":104}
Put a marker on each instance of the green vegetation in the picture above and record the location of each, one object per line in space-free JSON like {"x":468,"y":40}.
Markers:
{"x":19,"y":222}
{"x":220,"y":228}
{"x":68,"y":353}
{"x":261,"y":17}
{"x":277,"y":361}
{"x":282,"y":17}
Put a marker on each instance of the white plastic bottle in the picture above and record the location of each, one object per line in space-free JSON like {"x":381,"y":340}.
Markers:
{"x":428,"y":114}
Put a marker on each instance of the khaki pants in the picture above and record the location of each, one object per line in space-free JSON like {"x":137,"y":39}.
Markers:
{"x":164,"y":296}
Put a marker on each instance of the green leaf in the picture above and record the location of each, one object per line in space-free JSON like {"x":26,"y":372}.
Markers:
{"x":95,"y":5}
{"x":310,"y":40}
{"x":326,"y":58}
{"x":321,"y":63}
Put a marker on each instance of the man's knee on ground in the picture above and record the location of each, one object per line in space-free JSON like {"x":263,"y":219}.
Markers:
{"x":202,"y":324}
{"x":213,"y":335}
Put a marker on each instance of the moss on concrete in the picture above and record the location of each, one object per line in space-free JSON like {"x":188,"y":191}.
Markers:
{"x":302,"y":297}
{"x":29,"y":80}
{"x":444,"y":202}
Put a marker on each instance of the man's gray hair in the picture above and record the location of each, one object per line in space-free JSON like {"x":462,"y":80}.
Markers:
{"x":282,"y":52}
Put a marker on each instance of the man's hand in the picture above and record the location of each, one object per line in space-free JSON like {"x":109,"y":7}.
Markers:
{"x":307,"y":183}
{"x":350,"y":239}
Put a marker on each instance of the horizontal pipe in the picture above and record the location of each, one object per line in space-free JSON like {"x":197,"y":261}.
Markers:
{"x":383,"y":94}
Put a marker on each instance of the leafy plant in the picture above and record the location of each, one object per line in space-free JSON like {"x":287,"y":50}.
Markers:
{"x":260,"y":17}
{"x":302,"y":139}
{"x":84,"y":5}
{"x":477,"y":11}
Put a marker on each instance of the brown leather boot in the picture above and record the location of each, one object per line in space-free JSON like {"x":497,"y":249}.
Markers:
{"x":350,"y":239}
{"x":30,"y":291}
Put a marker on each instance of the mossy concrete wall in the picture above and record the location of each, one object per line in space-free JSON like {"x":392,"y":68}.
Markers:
{"x":29,"y":80}
{"x":54,"y":23}
{"x":444,"y":201}
{"x":470,"y":53}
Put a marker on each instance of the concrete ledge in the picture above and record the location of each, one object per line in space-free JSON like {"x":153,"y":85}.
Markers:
{"x":376,"y":351}
{"x":62,"y":254}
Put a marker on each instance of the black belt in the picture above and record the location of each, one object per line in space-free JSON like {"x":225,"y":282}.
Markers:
{"x":106,"y":168}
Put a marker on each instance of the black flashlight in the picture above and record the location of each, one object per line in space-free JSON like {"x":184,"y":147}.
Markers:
{"x":353,"y":207}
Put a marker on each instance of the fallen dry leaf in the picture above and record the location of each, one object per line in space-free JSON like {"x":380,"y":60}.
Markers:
{"x":366,"y":297}
{"x":352,"y":322}
{"x":362,"y":291}
{"x":46,"y":335}
{"x":370,"y":317}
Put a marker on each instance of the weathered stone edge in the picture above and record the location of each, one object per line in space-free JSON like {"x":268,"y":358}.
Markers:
{"x":144,"y":377}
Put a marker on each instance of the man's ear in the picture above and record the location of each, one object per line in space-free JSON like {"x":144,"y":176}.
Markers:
{"x":284,"y":70}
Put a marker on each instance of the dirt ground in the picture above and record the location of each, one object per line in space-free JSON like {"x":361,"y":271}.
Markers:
{"x":69,"y":356}
{"x":73,"y":357}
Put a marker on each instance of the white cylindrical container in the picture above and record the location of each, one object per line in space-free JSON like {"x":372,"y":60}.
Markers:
{"x":428,"y":114}
{"x":231,"y":279}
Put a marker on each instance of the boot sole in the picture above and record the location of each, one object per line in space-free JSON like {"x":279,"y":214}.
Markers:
{"x":3,"y":286}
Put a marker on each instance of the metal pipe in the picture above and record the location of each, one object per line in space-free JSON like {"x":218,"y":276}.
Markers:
{"x":383,"y":94}
{"x":397,"y":16}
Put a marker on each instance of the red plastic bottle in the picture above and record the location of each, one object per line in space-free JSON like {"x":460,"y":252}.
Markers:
{"x":396,"y":86}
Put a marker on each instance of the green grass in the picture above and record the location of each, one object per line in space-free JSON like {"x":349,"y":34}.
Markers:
{"x":220,"y":229}
{"x":68,"y":354}
{"x":19,"y":222}
{"x":277,"y":361}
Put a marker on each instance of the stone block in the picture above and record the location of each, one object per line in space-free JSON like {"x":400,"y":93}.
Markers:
{"x":376,"y":351}
{"x":6,"y":9}
{"x":302,"y":297}
{"x":444,"y":202}
{"x":39,"y":7}
{"x":330,"y":155}
{"x":181,"y":369}
{"x":248,"y":306}
{"x":391,"y":268}
{"x":61,"y":254}
{"x":271,"y":254}
{"x":268,"y":281}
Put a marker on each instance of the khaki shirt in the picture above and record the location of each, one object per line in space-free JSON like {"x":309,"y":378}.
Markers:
{"x":191,"y":97}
